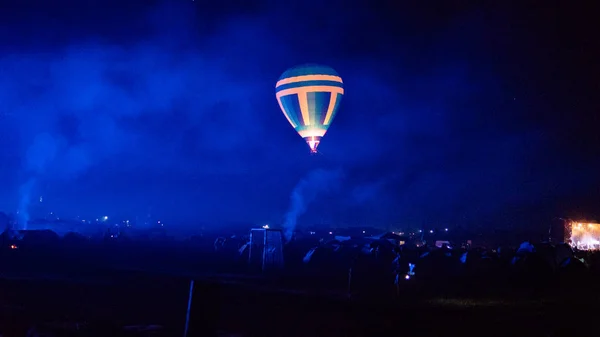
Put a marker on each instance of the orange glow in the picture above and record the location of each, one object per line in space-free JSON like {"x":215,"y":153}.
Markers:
{"x":585,"y":236}
{"x":313,"y":132}
{"x":313,"y":145}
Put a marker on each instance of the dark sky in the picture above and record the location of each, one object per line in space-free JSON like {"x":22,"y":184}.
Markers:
{"x":454,"y":113}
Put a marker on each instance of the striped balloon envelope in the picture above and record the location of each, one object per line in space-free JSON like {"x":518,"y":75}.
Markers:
{"x":309,"y":96}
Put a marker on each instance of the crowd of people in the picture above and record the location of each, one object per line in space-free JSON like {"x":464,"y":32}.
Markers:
{"x":390,"y":265}
{"x":367,"y":265}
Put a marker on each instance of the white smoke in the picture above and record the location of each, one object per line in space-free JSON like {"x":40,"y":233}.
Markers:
{"x":24,"y":200}
{"x":39,"y":155}
{"x":306,"y":191}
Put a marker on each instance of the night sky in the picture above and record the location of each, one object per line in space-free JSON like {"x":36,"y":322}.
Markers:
{"x":453,"y":114}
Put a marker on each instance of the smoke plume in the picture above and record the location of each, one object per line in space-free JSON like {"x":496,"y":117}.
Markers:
{"x":39,"y":155}
{"x":24,"y":200}
{"x":306,"y":191}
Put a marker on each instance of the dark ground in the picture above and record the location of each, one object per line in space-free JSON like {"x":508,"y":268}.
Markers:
{"x":103,"y":299}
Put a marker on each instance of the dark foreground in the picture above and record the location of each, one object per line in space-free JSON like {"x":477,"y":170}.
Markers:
{"x":88,"y":290}
{"x":102,"y":307}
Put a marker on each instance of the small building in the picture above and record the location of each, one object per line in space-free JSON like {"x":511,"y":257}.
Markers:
{"x":266,"y":249}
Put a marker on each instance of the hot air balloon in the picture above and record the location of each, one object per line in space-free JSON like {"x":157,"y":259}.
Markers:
{"x":309,"y":96}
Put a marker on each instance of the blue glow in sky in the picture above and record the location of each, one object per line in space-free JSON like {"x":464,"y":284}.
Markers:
{"x":451,"y":116}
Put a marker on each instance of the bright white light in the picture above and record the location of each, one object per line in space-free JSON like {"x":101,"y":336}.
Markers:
{"x":585,"y":236}
{"x":265,"y":226}
{"x":364,"y":232}
{"x":330,"y":232}
{"x":105,"y":218}
{"x":431,"y":231}
{"x":446,"y":229}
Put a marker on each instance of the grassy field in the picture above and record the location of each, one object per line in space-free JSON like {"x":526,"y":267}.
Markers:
{"x":120,"y":299}
{"x":98,"y":289}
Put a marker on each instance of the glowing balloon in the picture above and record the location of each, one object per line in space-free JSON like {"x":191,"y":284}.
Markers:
{"x":309,"y":96}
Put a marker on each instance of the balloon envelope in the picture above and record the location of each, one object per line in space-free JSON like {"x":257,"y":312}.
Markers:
{"x":309,"y":96}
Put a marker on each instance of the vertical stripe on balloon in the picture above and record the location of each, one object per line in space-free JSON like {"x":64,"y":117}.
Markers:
{"x":303,"y":100}
{"x":331,"y":108}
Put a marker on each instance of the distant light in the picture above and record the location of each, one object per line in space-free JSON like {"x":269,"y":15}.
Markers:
{"x":330,"y":232}
{"x":13,"y":247}
{"x":158,"y":221}
{"x":265,"y":226}
{"x":420,"y":231}
{"x":312,"y":233}
{"x":431,"y":231}
{"x":446,"y":229}
{"x":364,"y":232}
{"x":105,"y":218}
{"x":407,"y":277}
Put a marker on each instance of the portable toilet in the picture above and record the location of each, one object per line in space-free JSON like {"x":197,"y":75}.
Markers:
{"x":266,"y":249}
